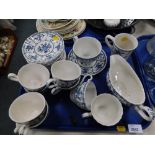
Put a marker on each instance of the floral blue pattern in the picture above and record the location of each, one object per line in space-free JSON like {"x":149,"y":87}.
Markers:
{"x":77,"y":95}
{"x":99,"y":65}
{"x":43,"y":48}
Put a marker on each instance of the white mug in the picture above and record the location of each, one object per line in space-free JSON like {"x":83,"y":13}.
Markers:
{"x":106,"y":109}
{"x":86,"y":49}
{"x":66,"y":75}
{"x":123,"y":44}
{"x":33,"y":77}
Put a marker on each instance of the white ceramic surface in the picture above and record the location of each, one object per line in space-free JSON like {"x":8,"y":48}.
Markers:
{"x":32,"y":76}
{"x":21,"y":129}
{"x":27,"y":107}
{"x":89,"y":94}
{"x":125,"y":81}
{"x":87,"y":47}
{"x":66,"y":75}
{"x":65,"y":70}
{"x":106,"y":109}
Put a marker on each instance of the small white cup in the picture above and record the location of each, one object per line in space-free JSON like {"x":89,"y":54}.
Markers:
{"x":106,"y":109}
{"x":86,"y":49}
{"x":27,"y":110}
{"x":123,"y":44}
{"x":33,"y":77}
{"x":66,"y":75}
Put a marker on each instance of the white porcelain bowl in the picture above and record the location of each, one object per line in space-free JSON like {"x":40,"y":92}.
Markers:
{"x":106,"y":109}
{"x":27,"y":107}
{"x":124,"y":82}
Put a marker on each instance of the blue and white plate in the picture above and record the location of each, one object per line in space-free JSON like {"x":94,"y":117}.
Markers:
{"x":100,"y":64}
{"x":43,"y":47}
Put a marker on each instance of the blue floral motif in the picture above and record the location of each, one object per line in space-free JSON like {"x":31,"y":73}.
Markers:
{"x":29,"y":47}
{"x":77,"y":96}
{"x":42,"y":44}
{"x":44,"y":48}
{"x":99,"y":65}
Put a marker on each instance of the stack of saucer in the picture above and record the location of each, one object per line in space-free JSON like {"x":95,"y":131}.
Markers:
{"x":44,"y":48}
{"x":67,"y":28}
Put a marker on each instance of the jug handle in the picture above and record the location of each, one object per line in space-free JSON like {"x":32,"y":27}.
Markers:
{"x":86,"y":76}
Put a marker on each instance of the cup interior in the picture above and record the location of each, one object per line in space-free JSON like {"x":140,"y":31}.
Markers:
{"x":90,"y":94}
{"x":106,"y":109}
{"x":126,"y":42}
{"x":87,"y":47}
{"x":33,"y":76}
{"x":65,"y":70}
{"x":27,"y":107}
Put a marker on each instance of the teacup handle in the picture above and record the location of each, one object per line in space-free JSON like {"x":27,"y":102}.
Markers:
{"x":20,"y":130}
{"x":75,"y":38}
{"x":49,"y":82}
{"x":145,"y":112}
{"x":86,"y":76}
{"x":13,"y":77}
{"x":55,"y":90}
{"x":111,"y":38}
{"x":86,"y":115}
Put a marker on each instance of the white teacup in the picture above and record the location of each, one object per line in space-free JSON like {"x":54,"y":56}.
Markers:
{"x":28,"y":109}
{"x":33,"y":77}
{"x":86,"y":49}
{"x":123,"y":44}
{"x":106,"y":109}
{"x":66,"y":75}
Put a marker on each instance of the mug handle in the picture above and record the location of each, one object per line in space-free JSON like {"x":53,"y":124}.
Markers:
{"x":145,"y":112}
{"x":13,"y":77}
{"x":86,"y":76}
{"x":86,"y":115}
{"x":75,"y":38}
{"x":111,"y":38}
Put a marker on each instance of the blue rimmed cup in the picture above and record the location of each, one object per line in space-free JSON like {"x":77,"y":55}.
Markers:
{"x":86,"y":49}
{"x":123,"y":44}
{"x":66,"y":75}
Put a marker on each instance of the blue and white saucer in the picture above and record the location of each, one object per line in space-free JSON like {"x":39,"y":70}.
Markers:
{"x":43,"y":47}
{"x":99,"y":65}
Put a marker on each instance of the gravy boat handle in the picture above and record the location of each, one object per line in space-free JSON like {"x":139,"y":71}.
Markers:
{"x":145,"y":112}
